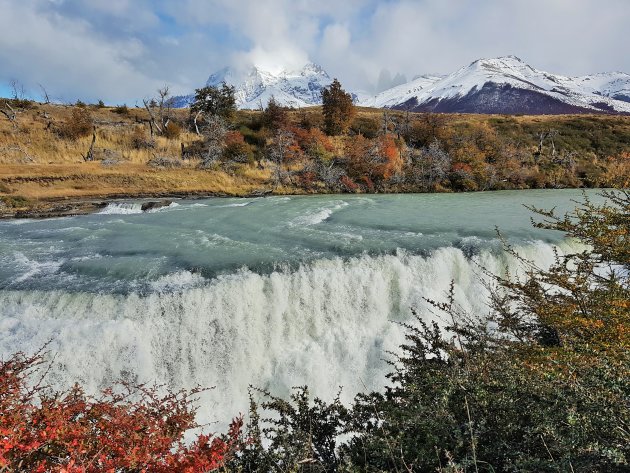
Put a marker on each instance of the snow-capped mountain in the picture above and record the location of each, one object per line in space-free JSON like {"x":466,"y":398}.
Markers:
{"x":255,"y":87}
{"x":391,"y":97}
{"x":500,"y":85}
{"x":508,"y":85}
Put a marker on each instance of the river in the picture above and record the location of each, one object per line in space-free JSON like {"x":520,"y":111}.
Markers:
{"x":274,"y":292}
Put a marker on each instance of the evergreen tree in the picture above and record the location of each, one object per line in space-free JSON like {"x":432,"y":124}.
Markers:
{"x":275,"y":115}
{"x":338,"y":109}
{"x":214,"y":100}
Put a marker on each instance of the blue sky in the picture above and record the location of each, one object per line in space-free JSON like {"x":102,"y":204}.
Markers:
{"x":122,"y":50}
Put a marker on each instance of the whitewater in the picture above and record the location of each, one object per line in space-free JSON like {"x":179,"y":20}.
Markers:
{"x":273,"y":292}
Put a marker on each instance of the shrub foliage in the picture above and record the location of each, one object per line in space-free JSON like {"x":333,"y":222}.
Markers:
{"x":136,"y":429}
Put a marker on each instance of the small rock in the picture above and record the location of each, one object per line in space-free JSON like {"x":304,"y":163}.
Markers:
{"x":155,"y":205}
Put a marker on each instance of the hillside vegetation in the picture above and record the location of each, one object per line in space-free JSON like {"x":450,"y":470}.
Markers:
{"x":50,"y":152}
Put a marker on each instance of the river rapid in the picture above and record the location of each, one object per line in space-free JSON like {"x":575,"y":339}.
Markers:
{"x":274,"y":292}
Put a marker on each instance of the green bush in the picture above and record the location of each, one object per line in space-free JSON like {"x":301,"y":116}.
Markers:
{"x":121,"y":110}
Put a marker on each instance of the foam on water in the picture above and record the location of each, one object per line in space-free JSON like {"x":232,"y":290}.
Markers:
{"x":31,"y":268}
{"x":130,"y":208}
{"x":235,"y":204}
{"x":326,"y":324}
{"x":320,"y":215}
{"x":122,"y":208}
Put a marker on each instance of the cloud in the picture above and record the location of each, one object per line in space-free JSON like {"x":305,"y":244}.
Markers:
{"x":123,"y":49}
{"x":67,"y":56}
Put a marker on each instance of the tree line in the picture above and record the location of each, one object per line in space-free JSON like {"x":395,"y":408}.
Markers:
{"x":344,"y":149}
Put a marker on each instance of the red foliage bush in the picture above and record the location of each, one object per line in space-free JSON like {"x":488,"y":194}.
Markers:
{"x":462,"y":167}
{"x":236,"y":149}
{"x":139,"y":430}
{"x":374,"y":160}
{"x":349,"y":184}
{"x":390,"y":157}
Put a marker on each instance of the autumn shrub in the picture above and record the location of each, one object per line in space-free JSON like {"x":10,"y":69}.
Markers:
{"x":539,"y":383}
{"x":366,"y":126}
{"x":134,"y":428}
{"x":121,"y":110}
{"x":172,"y":131}
{"x":386,"y":156}
{"x":195,"y":150}
{"x":236,"y":149}
{"x":256,"y":138}
{"x":348,"y":184}
{"x":78,"y":125}
{"x":314,"y":143}
{"x":140,"y":140}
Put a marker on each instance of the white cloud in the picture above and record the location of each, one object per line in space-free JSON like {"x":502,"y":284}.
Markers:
{"x":119,"y":49}
{"x":67,"y":57}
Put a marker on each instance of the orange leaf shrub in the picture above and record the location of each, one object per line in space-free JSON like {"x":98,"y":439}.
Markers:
{"x":136,"y":430}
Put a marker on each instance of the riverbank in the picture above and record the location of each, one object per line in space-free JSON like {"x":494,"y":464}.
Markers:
{"x":37,"y":191}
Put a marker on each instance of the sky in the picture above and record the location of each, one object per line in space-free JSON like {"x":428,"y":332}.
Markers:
{"x":123,"y":50}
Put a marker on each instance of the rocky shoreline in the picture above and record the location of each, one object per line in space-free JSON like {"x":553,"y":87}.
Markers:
{"x":85,"y":206}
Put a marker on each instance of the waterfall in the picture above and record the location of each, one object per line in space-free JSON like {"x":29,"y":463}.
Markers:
{"x":325,"y":324}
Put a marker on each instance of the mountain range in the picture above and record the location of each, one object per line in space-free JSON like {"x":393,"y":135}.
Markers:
{"x":504,"y":85}
{"x":255,"y":86}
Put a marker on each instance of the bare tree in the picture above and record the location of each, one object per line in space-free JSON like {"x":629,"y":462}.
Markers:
{"x":552,"y":134}
{"x":386,"y":121}
{"x":214,"y":131}
{"x":17,"y":89}
{"x":542,"y":136}
{"x":45,"y":95}
{"x":278,"y":152}
{"x":159,"y":110}
{"x":431,"y":164}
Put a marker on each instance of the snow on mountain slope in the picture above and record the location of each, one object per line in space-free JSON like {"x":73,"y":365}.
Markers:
{"x":500,"y":85}
{"x":508,"y":85}
{"x":255,"y":87}
{"x":392,"y":97}
{"x":615,"y":85}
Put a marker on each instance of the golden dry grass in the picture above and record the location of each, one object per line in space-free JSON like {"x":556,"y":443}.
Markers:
{"x":37,"y":164}
{"x":53,"y":181}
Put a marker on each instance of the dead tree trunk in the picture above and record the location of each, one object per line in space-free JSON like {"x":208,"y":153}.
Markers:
{"x":90,"y":154}
{"x":152,"y":120}
{"x":552,"y":134}
{"x":10,"y":114}
{"x":196,"y":125}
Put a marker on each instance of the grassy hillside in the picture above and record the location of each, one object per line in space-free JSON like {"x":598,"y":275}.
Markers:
{"x":43,"y":153}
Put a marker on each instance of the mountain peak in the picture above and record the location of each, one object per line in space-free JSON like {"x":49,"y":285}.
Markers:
{"x":506,"y":84}
{"x":256,"y":85}
{"x":311,"y":68}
